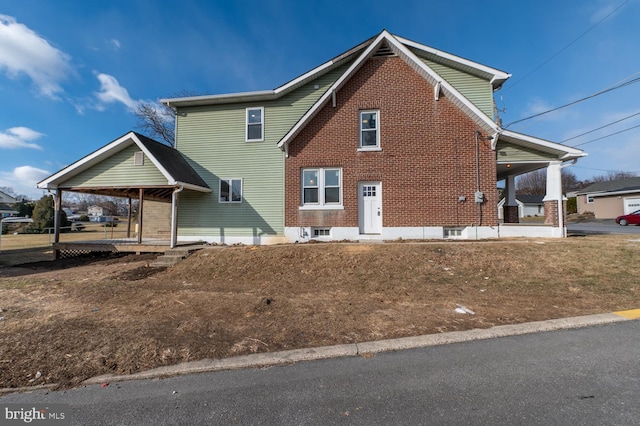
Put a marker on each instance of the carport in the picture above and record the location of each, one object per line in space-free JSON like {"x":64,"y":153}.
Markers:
{"x":132,"y":167}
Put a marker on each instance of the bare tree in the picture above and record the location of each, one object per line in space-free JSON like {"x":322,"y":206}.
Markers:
{"x":613,"y":175}
{"x":157,"y":120}
{"x":535,"y":183}
{"x":532,"y":183}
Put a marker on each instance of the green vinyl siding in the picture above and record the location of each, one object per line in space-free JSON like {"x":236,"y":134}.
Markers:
{"x":507,"y":152}
{"x":477,"y":90}
{"x":119,"y":170}
{"x":212,"y":139}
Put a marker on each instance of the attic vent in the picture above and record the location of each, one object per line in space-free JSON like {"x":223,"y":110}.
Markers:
{"x":383,"y":51}
{"x":138,"y":158}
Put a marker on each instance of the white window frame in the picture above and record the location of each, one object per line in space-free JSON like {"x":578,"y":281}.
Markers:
{"x":375,"y":147}
{"x":589,"y":199}
{"x":321,"y":233}
{"x":230,"y":183}
{"x":247,"y":124}
{"x":138,"y":158}
{"x":321,"y":204}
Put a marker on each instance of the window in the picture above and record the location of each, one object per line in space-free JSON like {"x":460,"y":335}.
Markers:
{"x":138,"y":158}
{"x":321,"y":232}
{"x":230,"y":191}
{"x":255,"y":124}
{"x":452,"y":232}
{"x":369,"y":130}
{"x":589,"y":199}
{"x":321,"y":187}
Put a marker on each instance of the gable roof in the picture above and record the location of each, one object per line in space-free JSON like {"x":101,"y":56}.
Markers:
{"x":385,"y":40}
{"x":6,"y":198}
{"x":631,"y":184}
{"x":166,"y":159}
{"x":495,"y":76}
{"x":411,"y":52}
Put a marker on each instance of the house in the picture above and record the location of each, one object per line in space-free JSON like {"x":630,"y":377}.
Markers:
{"x":391,"y":139}
{"x":95,"y":211}
{"x":610,"y":199}
{"x":529,"y":205}
{"x":6,"y":201}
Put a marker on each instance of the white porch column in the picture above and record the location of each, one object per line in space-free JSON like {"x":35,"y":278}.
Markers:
{"x":554,"y":181}
{"x":510,"y":187}
{"x":553,"y":202}
{"x":510,"y":210}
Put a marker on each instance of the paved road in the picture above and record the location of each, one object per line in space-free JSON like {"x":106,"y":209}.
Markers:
{"x":602,"y":227}
{"x":588,"y":376}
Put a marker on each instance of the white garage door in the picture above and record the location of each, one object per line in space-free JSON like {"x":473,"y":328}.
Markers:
{"x":631,"y":205}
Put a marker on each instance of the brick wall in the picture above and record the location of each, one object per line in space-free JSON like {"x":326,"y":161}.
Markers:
{"x":427,"y":160}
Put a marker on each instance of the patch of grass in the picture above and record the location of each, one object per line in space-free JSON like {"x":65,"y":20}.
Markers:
{"x":85,"y":317}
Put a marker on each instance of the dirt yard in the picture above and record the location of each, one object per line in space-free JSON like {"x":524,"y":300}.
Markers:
{"x":63,"y":322}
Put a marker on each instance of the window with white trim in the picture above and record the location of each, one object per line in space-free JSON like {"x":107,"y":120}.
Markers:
{"x":138,"y":158}
{"x":321,"y":232}
{"x":369,"y":130}
{"x":230,"y":191}
{"x":255,"y":124}
{"x":322,"y":187}
{"x":589,"y":199}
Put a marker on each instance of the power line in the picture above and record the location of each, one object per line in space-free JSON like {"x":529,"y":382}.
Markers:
{"x":601,"y":127}
{"x":566,"y":47}
{"x":609,"y":89}
{"x":607,"y":136}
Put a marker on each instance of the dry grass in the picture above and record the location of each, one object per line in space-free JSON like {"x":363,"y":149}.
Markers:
{"x":72,"y":321}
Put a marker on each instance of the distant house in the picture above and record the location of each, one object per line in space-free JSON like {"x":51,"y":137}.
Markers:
{"x":528,"y":205}
{"x":610,"y":198}
{"x":95,"y":211}
{"x":390,"y":139}
{"x":6,"y":201}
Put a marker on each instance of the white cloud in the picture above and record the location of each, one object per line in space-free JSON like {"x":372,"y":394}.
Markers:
{"x":111,"y":91}
{"x":115,"y":43}
{"x":22,"y":51}
{"x":23,"y":180}
{"x":19,"y":137}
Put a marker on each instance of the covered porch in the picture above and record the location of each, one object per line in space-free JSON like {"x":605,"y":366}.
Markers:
{"x":517,"y":154}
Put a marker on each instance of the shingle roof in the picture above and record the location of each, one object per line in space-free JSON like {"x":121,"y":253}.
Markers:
{"x":172,"y":161}
{"x":626,"y":184}
{"x":530,"y":198}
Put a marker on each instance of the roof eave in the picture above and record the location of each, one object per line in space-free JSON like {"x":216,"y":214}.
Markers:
{"x":564,"y":153}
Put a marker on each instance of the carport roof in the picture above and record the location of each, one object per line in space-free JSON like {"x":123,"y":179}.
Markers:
{"x":169,"y":161}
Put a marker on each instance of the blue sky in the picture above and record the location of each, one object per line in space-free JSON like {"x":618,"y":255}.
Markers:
{"x":72,"y":71}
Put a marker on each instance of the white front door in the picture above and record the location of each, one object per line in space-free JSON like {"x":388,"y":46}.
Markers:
{"x":370,"y":207}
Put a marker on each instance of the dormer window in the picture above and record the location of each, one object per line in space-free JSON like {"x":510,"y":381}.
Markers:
{"x":255,"y":124}
{"x":369,"y":130}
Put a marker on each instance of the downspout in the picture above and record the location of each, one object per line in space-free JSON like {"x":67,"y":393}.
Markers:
{"x":174,"y":215}
{"x":478,"y":202}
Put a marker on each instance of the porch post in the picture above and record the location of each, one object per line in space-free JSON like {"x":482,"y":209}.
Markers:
{"x":57,"y":204}
{"x":510,"y":211}
{"x":174,"y":216}
{"x":140,"y":208}
{"x":553,"y":211}
{"x":129,"y":219}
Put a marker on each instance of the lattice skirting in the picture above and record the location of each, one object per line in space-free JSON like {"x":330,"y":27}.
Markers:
{"x":68,"y":253}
